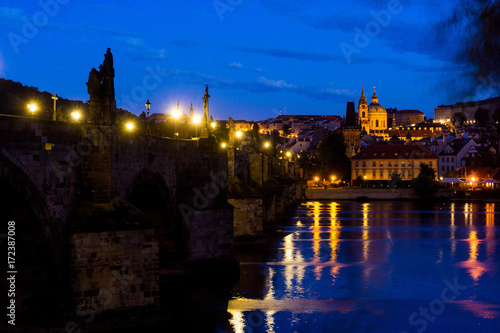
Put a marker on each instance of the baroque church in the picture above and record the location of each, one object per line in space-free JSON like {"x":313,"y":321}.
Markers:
{"x":373,"y":117}
{"x":370,"y":119}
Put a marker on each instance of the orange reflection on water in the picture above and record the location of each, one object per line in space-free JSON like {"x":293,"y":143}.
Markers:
{"x":317,"y":240}
{"x":490,"y":230}
{"x":474,"y":267}
{"x":365,"y":236}
{"x":453,"y":230}
{"x":334,"y":239}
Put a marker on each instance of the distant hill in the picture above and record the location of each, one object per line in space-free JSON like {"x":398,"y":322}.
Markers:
{"x":14,"y":98}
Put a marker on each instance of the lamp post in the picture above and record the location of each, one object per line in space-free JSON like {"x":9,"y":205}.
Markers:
{"x":176,"y":114}
{"x":148,"y":107}
{"x":196,"y":121}
{"x":239,"y":134}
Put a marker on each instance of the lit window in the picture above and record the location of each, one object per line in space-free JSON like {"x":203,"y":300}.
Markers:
{"x":402,"y":164}
{"x":395,"y":164}
{"x":381,"y":164}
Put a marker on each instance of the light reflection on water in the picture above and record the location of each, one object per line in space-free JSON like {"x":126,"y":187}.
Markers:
{"x":367,"y":267}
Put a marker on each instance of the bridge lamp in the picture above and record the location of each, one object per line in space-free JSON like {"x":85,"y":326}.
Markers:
{"x":148,"y":107}
{"x":196,"y":121}
{"x":239,"y":134}
{"x":129,"y":126}
{"x":316,"y":179}
{"x":267,"y":145}
{"x":176,"y":114}
{"x":223,"y":145}
{"x":32,"y":107}
{"x":213,"y":124}
{"x":76,"y":115}
{"x":288,"y":154}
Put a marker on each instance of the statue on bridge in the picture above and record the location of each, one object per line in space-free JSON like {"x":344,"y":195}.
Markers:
{"x":101,"y":89}
{"x":204,"y":129}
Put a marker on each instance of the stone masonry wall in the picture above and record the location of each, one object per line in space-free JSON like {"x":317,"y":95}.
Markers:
{"x":248,"y":217}
{"x":115,"y":269}
{"x":209,"y":234}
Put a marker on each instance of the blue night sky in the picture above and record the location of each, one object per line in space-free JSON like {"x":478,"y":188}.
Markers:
{"x":259,"y":57}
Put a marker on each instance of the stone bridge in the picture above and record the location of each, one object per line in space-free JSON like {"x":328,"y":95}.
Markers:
{"x":109,"y":203}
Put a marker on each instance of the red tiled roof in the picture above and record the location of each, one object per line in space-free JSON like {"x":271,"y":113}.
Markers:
{"x":388,"y":151}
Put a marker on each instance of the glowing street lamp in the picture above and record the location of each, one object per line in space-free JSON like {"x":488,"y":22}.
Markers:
{"x":223,"y":145}
{"x":129,"y":126}
{"x":316,"y":179}
{"x":213,"y":124}
{"x":76,"y":115}
{"x":176,"y":114}
{"x":267,"y":145}
{"x":288,"y":154}
{"x":32,"y":107}
{"x":196,"y":121}
{"x":148,"y":107}
{"x":239,"y":134}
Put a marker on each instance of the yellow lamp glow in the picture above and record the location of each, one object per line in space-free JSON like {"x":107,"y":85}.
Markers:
{"x":239,"y":134}
{"x":213,"y":124}
{"x":316,"y":178}
{"x":267,"y":145}
{"x":176,"y":113}
{"x":223,"y":145}
{"x":288,"y":154}
{"x":32,"y":107}
{"x":76,"y":115}
{"x":129,"y":126}
{"x":196,"y":119}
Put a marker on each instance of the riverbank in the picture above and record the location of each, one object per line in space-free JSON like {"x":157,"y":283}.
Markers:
{"x":369,"y":194}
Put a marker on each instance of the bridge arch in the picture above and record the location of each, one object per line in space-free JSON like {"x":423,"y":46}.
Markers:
{"x":149,"y":192}
{"x":38,"y":243}
{"x":20,"y":180}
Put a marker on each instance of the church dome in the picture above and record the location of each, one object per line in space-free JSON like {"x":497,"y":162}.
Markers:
{"x":374,"y":107}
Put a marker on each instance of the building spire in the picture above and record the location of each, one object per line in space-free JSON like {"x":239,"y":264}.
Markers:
{"x":191,"y":111}
{"x":374,"y":97}
{"x":362,"y":99}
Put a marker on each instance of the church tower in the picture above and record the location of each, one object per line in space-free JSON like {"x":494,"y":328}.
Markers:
{"x":363,"y":112}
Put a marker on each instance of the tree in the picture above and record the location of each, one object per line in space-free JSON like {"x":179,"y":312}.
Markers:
{"x":332,"y":157}
{"x":459,"y":117}
{"x":425,"y":184}
{"x":482,"y":117}
{"x":396,"y":180}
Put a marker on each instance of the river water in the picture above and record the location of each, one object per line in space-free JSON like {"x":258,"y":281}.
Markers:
{"x":372,"y":267}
